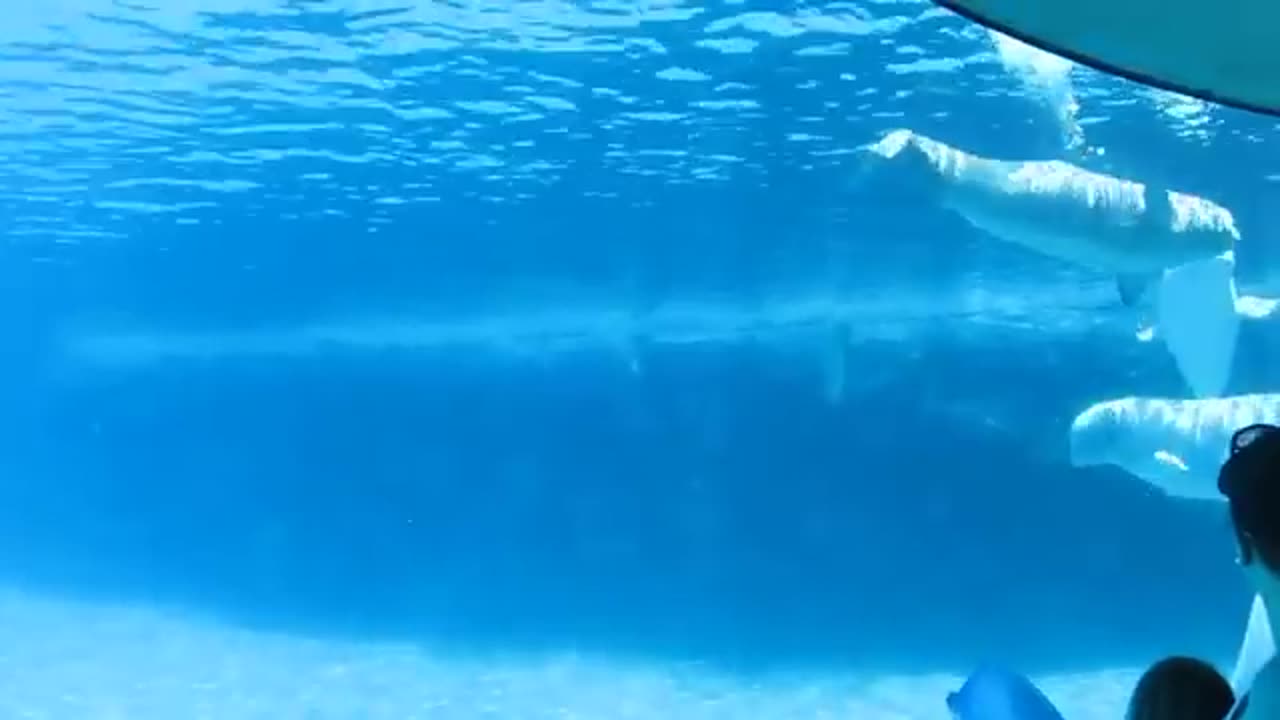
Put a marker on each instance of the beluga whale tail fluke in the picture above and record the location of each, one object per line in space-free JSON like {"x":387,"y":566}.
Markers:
{"x":1197,"y":318}
{"x":1161,"y":246}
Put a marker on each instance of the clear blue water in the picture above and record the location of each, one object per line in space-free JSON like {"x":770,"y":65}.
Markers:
{"x":485,"y":329}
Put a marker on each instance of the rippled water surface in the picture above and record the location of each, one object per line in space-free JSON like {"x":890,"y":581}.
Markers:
{"x":119,"y":116}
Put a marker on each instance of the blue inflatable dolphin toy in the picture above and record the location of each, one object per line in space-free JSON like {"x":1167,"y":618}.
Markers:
{"x":992,"y":693}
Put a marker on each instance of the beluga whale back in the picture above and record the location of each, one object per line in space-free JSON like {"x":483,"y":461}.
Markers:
{"x":1132,"y":230}
{"x":1144,"y":235}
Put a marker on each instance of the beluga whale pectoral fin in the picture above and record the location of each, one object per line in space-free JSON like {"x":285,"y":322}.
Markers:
{"x":1170,"y":460}
{"x":1135,"y":294}
{"x":1196,"y":311}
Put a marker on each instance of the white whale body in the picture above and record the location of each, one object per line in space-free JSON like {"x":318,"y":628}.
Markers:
{"x":1144,"y":235}
{"x":1055,"y":208}
{"x":1178,"y":446}
{"x":1174,"y":445}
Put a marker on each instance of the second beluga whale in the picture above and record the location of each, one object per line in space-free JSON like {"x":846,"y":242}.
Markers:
{"x":1149,"y":238}
{"x":1177,"y":446}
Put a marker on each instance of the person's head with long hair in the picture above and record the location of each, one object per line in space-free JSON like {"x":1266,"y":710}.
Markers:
{"x":1180,"y":688}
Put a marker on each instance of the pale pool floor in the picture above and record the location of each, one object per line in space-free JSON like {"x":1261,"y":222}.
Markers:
{"x":70,"y":661}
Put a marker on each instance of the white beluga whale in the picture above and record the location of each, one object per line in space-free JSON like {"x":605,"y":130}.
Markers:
{"x":1174,"y":445}
{"x":1178,"y":446}
{"x":1145,"y":236}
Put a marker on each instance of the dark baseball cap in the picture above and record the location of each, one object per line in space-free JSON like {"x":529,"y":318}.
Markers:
{"x":1250,"y":480}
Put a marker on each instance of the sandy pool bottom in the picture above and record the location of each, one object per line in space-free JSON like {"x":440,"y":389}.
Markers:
{"x":72,"y":661}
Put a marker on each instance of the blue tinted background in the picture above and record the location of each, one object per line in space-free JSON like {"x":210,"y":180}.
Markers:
{"x":291,"y":163}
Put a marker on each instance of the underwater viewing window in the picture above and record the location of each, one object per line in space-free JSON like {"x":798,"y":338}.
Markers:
{"x":635,"y":359}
